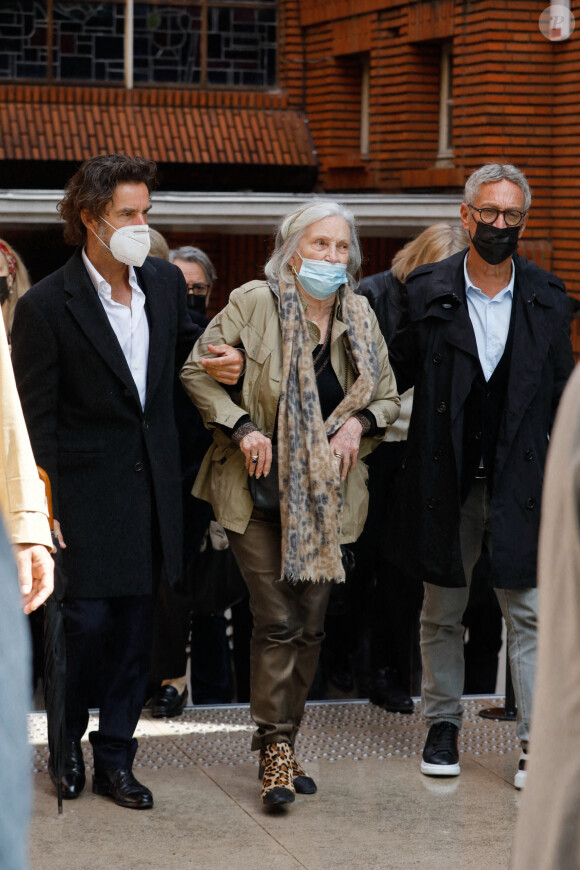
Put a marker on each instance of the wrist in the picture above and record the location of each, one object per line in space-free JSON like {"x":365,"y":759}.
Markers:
{"x":245,"y":429}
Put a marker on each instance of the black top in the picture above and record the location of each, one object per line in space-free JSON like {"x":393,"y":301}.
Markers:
{"x":482,"y":417}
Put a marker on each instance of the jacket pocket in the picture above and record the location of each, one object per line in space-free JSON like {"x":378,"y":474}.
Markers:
{"x":254,"y":344}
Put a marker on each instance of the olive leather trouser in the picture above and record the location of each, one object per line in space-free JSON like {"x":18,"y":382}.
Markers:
{"x":287,"y":635}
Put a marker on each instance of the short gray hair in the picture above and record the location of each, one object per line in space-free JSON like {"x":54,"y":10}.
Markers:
{"x":195,"y":255}
{"x":492,"y":172}
{"x":293,"y":228}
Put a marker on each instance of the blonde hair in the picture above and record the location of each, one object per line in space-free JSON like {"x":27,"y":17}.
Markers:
{"x":437,"y":242}
{"x":20,"y":284}
{"x":159,"y":247}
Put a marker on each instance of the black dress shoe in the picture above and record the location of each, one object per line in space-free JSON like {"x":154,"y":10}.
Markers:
{"x":74,"y":777}
{"x":388,"y":693}
{"x":167,"y":703}
{"x":122,"y":786}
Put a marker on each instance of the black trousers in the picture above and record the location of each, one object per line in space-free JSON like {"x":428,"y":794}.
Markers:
{"x":108,"y":650}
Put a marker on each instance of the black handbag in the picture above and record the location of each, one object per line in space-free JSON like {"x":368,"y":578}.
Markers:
{"x":215,"y":581}
{"x":265,"y":490}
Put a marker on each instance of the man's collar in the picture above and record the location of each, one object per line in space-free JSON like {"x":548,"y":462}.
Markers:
{"x":469,"y":285}
{"x":99,"y":283}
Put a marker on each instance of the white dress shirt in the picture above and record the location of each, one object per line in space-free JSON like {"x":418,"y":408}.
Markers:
{"x":490,"y":319}
{"x":129,"y":324}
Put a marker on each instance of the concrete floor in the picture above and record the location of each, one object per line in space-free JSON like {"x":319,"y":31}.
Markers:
{"x":373,"y":810}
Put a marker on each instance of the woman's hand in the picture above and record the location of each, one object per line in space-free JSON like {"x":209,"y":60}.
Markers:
{"x":58,"y":534}
{"x":345,"y":444}
{"x":35,"y":574}
{"x":258,"y":452}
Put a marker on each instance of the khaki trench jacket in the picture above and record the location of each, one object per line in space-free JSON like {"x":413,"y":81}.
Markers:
{"x":22,"y":497}
{"x":251,"y":320}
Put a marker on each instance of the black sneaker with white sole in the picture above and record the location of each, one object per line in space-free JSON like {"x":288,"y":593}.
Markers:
{"x":440,"y":755}
{"x":521,"y":773}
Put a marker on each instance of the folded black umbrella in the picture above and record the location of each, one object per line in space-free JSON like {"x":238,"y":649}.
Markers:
{"x":54,"y":674}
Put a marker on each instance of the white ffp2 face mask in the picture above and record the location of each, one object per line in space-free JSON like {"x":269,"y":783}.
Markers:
{"x":129,"y":245}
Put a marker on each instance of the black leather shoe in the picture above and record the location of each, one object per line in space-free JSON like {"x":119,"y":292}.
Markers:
{"x":122,"y":786}
{"x":167,"y":703}
{"x":74,"y":777}
{"x":440,"y":755}
{"x":388,"y":693}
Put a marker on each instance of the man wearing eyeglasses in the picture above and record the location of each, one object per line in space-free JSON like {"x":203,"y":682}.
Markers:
{"x":485,"y":341}
{"x":200,"y":275}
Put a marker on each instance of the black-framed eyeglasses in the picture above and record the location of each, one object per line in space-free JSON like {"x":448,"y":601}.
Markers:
{"x":199,"y":289}
{"x":489,"y":215}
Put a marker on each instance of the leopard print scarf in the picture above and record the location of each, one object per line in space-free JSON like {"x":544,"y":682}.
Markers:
{"x":310,"y":491}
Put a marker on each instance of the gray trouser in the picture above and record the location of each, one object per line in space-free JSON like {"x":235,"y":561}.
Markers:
{"x":287,"y":635}
{"x":442,"y":630}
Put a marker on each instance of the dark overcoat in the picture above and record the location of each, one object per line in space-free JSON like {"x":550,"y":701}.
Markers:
{"x":385,"y":293}
{"x":114,"y":466}
{"x":435,"y":351}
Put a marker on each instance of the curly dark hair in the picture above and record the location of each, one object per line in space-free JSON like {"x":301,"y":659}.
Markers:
{"x":93,"y":185}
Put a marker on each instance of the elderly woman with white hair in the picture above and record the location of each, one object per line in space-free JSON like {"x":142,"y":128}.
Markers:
{"x":318,"y":394}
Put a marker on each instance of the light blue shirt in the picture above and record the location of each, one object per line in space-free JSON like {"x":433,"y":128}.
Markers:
{"x":490,"y":319}
{"x":129,"y":324}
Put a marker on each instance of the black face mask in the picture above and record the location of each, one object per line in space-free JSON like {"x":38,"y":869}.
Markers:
{"x":495,"y":244}
{"x":198,"y":303}
{"x":4,"y":289}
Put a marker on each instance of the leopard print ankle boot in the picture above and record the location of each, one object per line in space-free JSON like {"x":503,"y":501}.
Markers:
{"x":277,"y":780}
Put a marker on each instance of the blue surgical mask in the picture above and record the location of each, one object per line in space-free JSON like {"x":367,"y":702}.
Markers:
{"x":319,"y":278}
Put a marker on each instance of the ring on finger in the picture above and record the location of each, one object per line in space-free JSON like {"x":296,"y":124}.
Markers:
{"x":254,"y":458}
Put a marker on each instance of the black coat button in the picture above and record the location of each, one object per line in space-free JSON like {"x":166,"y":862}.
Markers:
{"x":144,"y":424}
{"x":437,"y":454}
{"x":437,"y":358}
{"x":477,"y":436}
{"x":441,"y":407}
{"x":431,"y":504}
{"x":529,"y":455}
{"x":530,"y":503}
{"x":138,"y":466}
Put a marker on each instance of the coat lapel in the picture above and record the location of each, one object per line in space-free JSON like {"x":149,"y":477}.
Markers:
{"x":446,"y":299}
{"x":532,"y":333}
{"x":154,"y":286}
{"x":85,"y":306}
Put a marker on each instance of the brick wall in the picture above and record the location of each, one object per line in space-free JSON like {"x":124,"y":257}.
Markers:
{"x":516,"y":99}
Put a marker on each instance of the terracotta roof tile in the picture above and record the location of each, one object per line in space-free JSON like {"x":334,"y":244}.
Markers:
{"x":72,"y":123}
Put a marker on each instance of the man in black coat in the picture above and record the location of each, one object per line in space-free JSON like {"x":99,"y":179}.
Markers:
{"x":485,"y":341}
{"x":95,"y":350}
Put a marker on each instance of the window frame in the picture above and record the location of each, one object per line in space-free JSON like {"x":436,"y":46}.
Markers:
{"x":445,"y":139}
{"x":128,"y":80}
{"x":365,"y":105}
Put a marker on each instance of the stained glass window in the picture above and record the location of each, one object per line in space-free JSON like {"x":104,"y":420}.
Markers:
{"x":229,"y":43}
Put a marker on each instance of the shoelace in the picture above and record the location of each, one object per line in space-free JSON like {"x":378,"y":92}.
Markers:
{"x":445,"y":737}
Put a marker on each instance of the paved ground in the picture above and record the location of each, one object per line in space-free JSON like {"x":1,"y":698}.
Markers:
{"x":374,"y":809}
